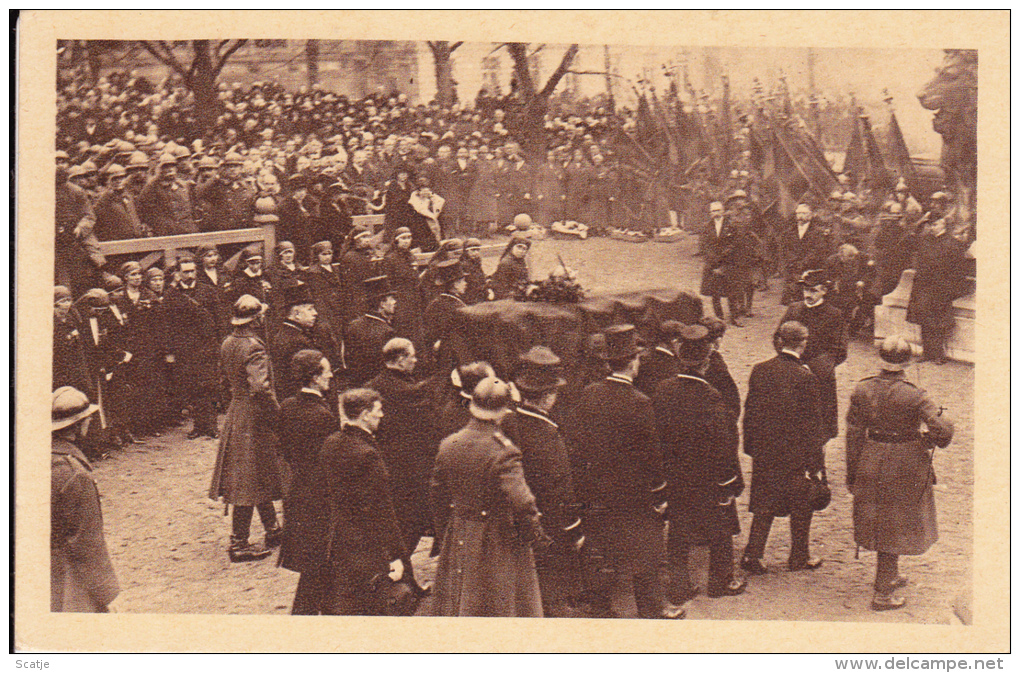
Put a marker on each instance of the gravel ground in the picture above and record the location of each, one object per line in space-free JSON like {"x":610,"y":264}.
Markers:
{"x":168,"y":540}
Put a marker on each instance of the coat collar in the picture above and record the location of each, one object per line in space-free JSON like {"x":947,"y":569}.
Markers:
{"x":376,"y":316}
{"x":62,"y":447}
{"x":535,"y":412}
{"x":618,"y":378}
{"x":453,"y":296}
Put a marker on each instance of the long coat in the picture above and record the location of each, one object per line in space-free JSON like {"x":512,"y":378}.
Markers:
{"x":487,"y":513}
{"x":408,"y":438}
{"x":401,"y":268}
{"x":699,"y":446}
{"x":720,"y":251}
{"x":116,"y":218}
{"x":364,"y":339}
{"x":363,"y":536}
{"x":247,"y":468}
{"x":81,"y":575}
{"x":656,"y":365}
{"x":330,"y":300}
{"x":166,"y":210}
{"x":782,"y":433}
{"x":482,"y":198}
{"x":287,"y":341}
{"x":440,"y":338}
{"x":195,"y":337}
{"x":891,"y":481}
{"x":305,"y":422}
{"x":548,"y":196}
{"x":718,"y":376}
{"x":826,"y":349}
{"x":938,"y":281}
{"x":510,"y":274}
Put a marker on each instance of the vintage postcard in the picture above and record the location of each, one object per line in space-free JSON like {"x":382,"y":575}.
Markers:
{"x":680,"y":331}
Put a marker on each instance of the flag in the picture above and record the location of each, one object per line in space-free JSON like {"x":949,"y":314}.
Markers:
{"x":899,"y":163}
{"x":877,"y":175}
{"x":854,"y":163}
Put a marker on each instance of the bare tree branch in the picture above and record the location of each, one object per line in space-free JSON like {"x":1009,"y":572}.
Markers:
{"x":498,"y":47}
{"x":226,"y":55}
{"x":561,"y":70}
{"x":433,"y":46}
{"x":163,"y":52}
{"x":537,"y":49}
{"x":519,"y":53}
{"x":592,"y":72}
{"x":453,"y":47}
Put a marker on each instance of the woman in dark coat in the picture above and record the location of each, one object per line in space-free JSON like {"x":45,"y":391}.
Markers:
{"x":69,"y":364}
{"x":133,"y":302}
{"x":305,"y":422}
{"x":157,"y":375}
{"x":482,"y":199}
{"x":576,"y":181}
{"x":512,"y":270}
{"x":402,"y":269}
{"x":548,"y":201}
{"x":487,"y":516}
{"x":398,"y":212}
{"x":889,"y":468}
{"x":431,"y":283}
{"x":328,"y":292}
{"x":602,"y":193}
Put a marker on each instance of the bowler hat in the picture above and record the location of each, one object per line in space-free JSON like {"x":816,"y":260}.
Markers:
{"x":450,"y":270}
{"x":69,"y":406}
{"x":814,"y":278}
{"x":540,"y":370}
{"x":621,"y":342}
{"x":296,"y":294}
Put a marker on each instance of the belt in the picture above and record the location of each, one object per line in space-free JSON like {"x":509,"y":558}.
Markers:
{"x":893,"y":437}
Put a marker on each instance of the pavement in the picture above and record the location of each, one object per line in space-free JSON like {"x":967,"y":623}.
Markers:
{"x":168,"y":540}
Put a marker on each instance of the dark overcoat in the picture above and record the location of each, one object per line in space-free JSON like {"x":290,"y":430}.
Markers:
{"x":889,"y":463}
{"x":699,"y":447}
{"x":287,"y":341}
{"x":719,"y":250}
{"x":481,"y":502}
{"x":657,"y":364}
{"x":305,"y":422}
{"x":116,"y":217}
{"x":81,"y":574}
{"x":401,"y":268}
{"x":247,"y":470}
{"x":510,"y":274}
{"x":826,"y":349}
{"x":363,"y":536}
{"x":195,"y":336}
{"x":718,"y":376}
{"x":408,"y":438}
{"x":166,"y":210}
{"x":364,"y":340}
{"x":938,"y":281}
{"x":782,"y":433}
{"x":441,"y":339}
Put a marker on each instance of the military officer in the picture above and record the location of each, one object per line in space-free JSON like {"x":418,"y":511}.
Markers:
{"x":893,"y":428}
{"x":226,"y":201}
{"x":620,"y":481}
{"x":547,"y":471}
{"x":165,"y":205}
{"x":699,"y":443}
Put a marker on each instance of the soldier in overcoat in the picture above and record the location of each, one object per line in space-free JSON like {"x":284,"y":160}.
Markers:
{"x":699,"y":439}
{"x":547,"y":472}
{"x":363,"y":539}
{"x":893,"y":428}
{"x":487,"y":516}
{"x":247,"y":471}
{"x":82,"y":578}
{"x":306,"y":419}
{"x":164,"y":205}
{"x":620,"y":481}
{"x":783,"y":434}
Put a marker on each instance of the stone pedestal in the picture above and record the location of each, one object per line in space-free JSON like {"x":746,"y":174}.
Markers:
{"x":891,"y":318}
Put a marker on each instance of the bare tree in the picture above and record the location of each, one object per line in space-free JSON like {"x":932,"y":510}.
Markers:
{"x":446,"y":90}
{"x":534,"y":100}
{"x":207,"y":60}
{"x":312,"y":60}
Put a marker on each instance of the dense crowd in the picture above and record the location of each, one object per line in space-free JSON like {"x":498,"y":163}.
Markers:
{"x":340,"y":357}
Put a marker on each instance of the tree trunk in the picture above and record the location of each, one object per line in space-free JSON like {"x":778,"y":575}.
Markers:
{"x":202,"y":83}
{"x":444,"y":78}
{"x":312,"y":59}
{"x":95,"y":62}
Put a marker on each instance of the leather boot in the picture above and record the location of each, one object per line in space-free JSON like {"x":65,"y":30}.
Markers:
{"x":241,"y":551}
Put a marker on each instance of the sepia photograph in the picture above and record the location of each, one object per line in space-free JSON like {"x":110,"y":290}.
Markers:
{"x":571,"y":323}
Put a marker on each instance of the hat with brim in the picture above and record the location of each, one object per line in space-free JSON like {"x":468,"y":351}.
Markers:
{"x":295,"y":295}
{"x":248,"y":311}
{"x":540,"y":370}
{"x":695,"y":344}
{"x":895,"y":352}
{"x":621,"y":343}
{"x":65,"y":417}
{"x":450,"y":270}
{"x":377,"y":287}
{"x":489,"y":399}
{"x":814,"y":278}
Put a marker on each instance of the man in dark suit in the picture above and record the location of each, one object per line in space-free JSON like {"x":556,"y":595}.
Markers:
{"x":194,"y":345}
{"x":718,"y":374}
{"x":805,"y":245}
{"x":363,"y":529}
{"x":408,"y":438}
{"x":441,"y":313}
{"x":299,"y":218}
{"x":719,"y":245}
{"x":783,"y":434}
{"x":827,"y":342}
{"x":295,"y":334}
{"x":306,"y":419}
{"x":618,"y":467}
{"x":547,"y":471}
{"x":699,"y":445}
{"x":940,"y":279}
{"x":366,"y":336}
{"x":660,"y":362}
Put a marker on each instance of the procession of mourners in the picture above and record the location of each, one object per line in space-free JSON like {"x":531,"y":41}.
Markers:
{"x":349,"y":413}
